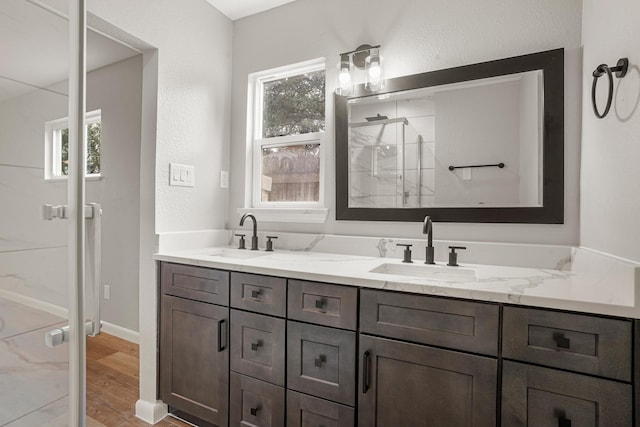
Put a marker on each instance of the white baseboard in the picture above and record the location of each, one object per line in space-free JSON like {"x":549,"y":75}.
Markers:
{"x":109,"y":328}
{"x":151,"y":412}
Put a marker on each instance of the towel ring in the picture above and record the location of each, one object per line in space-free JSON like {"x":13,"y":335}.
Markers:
{"x":620,"y":69}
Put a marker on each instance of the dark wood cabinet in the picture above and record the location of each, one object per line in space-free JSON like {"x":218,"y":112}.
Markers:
{"x":194,"y":358}
{"x":543,"y":397}
{"x":403,"y":384}
{"x":343,"y":355}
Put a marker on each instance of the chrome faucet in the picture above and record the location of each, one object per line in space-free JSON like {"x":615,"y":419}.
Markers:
{"x":427,"y":228}
{"x":254,"y":238}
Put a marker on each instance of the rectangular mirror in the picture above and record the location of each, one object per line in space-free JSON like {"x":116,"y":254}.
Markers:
{"x":479,"y":143}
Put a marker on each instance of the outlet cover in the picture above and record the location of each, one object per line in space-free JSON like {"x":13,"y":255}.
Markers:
{"x":224,"y":179}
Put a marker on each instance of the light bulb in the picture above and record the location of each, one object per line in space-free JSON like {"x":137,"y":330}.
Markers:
{"x":344,"y":84}
{"x":374,"y":79}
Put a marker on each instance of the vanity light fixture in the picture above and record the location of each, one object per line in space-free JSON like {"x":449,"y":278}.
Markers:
{"x":364,"y":57}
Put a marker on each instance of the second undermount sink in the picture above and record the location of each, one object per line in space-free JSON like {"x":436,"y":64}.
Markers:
{"x":427,"y":271}
{"x":237,"y":253}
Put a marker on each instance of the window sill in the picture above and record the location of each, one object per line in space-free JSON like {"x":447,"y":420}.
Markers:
{"x":300,"y":215}
{"x":65,"y":179}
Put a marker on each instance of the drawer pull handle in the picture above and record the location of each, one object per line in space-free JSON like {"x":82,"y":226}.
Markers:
{"x":254,"y":411}
{"x":564,"y":422}
{"x":561,"y":340}
{"x":320,"y":303}
{"x":222,"y":343}
{"x":256,"y":345}
{"x":255,"y":294}
{"x":319,"y":361}
{"x":366,"y":371}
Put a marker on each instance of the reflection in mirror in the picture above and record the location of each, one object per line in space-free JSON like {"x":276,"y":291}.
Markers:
{"x":480,"y":143}
{"x":410,"y":149}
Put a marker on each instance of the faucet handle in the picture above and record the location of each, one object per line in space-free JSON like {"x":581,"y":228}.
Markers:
{"x":453,"y":256}
{"x":241,"y":242}
{"x":407,"y":252}
{"x":270,"y":243}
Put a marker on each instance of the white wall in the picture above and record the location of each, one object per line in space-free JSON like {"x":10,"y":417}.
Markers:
{"x":610,"y":176}
{"x":27,"y":239}
{"x":416,"y":36}
{"x":117,"y":91}
{"x":194,"y":70}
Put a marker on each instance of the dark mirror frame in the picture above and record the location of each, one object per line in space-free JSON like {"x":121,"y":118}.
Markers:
{"x":552,"y":209}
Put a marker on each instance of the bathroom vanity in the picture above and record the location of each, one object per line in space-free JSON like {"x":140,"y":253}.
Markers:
{"x":308,"y":339}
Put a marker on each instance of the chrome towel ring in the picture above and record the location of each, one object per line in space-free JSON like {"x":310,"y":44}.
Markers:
{"x":620,"y":69}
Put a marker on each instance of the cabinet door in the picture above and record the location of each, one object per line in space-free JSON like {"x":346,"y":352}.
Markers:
{"x":404,"y":384}
{"x":543,"y":397}
{"x":194,"y":358}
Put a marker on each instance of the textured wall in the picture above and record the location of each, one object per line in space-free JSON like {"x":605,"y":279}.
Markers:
{"x":416,"y":36}
{"x":194,"y":70}
{"x":610,"y":176}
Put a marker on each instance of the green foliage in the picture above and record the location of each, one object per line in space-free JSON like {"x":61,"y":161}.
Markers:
{"x":93,"y":149}
{"x":294,"y":105}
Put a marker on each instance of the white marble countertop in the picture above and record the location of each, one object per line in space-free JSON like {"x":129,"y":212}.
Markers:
{"x":591,"y":282}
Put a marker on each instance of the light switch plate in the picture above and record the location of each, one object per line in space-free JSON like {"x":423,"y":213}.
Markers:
{"x":181,"y":175}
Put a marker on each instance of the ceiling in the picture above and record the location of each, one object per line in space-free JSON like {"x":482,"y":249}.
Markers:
{"x":236,"y":9}
{"x":34,"y":47}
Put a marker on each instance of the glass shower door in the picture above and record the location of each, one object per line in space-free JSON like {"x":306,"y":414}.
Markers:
{"x":38,"y":258}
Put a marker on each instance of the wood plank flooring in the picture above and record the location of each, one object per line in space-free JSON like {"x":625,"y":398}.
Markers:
{"x":112,"y":384}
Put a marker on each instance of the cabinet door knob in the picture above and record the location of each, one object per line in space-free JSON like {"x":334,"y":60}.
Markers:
{"x":320,"y":303}
{"x":255,"y":294}
{"x":561,"y":340}
{"x":319,"y":361}
{"x":256,"y":345}
{"x":254,"y":411}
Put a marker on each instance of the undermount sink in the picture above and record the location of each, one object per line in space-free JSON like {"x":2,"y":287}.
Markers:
{"x":428,"y":271}
{"x":237,"y":253}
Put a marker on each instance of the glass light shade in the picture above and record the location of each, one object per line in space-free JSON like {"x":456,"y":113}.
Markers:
{"x":374,"y":75}
{"x":344,"y":83}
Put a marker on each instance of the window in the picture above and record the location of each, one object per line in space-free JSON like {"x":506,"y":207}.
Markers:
{"x":57,"y":147}
{"x":288,"y":130}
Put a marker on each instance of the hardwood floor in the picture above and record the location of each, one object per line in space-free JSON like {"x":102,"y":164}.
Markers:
{"x":112,"y":384}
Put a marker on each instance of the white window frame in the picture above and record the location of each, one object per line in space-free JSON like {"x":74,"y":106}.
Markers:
{"x":279,"y":211}
{"x":53,"y":147}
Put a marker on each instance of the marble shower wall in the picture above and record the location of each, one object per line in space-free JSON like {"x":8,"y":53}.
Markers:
{"x":33,"y":255}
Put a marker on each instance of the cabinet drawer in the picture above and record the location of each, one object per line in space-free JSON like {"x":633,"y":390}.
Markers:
{"x":543,"y":397}
{"x":321,"y":361}
{"x":308,"y":411}
{"x":257,"y":346}
{"x":262,"y":294}
{"x":581,"y":343}
{"x":255,"y":403}
{"x":460,"y":325}
{"x":324,"y":304}
{"x":197,"y":283}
